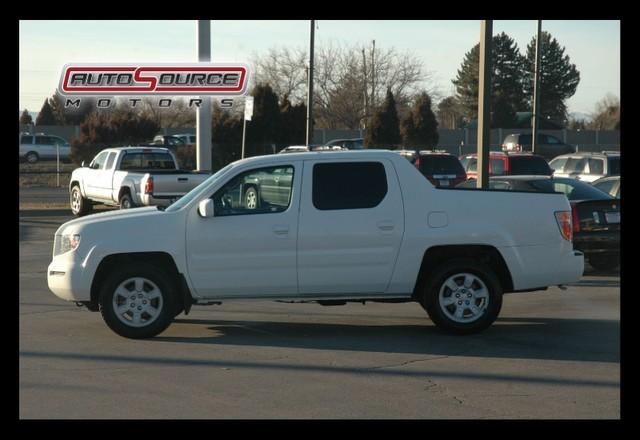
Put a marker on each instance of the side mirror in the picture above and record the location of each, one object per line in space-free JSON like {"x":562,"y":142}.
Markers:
{"x":205,"y":208}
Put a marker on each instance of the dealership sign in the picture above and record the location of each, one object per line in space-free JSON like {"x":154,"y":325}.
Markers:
{"x":175,"y":79}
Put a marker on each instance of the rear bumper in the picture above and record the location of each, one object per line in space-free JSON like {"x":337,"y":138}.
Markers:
{"x":597,"y":242}
{"x":150,"y":200}
{"x":533,"y":267}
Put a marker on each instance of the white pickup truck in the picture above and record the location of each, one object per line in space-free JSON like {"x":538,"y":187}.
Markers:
{"x":326,"y":227}
{"x":130,"y":177}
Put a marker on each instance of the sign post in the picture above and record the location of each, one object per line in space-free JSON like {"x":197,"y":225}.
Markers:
{"x":248,"y":113}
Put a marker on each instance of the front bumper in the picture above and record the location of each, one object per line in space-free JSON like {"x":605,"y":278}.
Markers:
{"x":67,"y":278}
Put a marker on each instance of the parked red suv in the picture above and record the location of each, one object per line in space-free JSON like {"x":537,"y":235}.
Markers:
{"x":508,"y":164}
{"x":442,"y":169}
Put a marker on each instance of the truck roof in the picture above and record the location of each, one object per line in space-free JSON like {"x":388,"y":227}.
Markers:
{"x":139,"y":148}
{"x":328,"y":154}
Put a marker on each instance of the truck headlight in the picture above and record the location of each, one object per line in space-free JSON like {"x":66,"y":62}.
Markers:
{"x":65,"y":243}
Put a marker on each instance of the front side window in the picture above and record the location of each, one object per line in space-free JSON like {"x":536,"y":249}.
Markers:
{"x":614,"y":166}
{"x":99,"y":161}
{"x":259,"y":191}
{"x":558,"y":164}
{"x":348,"y":185}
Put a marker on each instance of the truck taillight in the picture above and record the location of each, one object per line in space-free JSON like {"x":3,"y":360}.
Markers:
{"x":518,"y":147}
{"x":575,"y":218}
{"x":564,"y":223}
{"x":148,"y":187}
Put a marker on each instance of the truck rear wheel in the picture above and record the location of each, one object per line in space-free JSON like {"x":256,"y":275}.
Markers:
{"x":79,"y":205}
{"x":462,"y":296}
{"x":251,"y":200}
{"x":126,"y":201}
{"x":138,"y":301}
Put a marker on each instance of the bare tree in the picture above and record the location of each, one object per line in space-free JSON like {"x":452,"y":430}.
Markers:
{"x":348,"y":82}
{"x":607,"y":114}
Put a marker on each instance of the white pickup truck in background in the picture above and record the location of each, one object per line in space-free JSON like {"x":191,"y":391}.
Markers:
{"x":329,"y":227}
{"x":130,"y":177}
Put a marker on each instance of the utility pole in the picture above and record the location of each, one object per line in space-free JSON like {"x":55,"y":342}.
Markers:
{"x":484,"y":102}
{"x":310,"y":84}
{"x":373,"y":75}
{"x":536,"y":91}
{"x":203,"y":112}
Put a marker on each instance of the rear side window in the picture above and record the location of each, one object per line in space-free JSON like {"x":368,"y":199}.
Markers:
{"x":348,"y":185}
{"x":497,"y":167}
{"x":596,"y":166}
{"x":147,"y":161}
{"x":525,"y":139}
{"x":440,"y":164}
{"x":529,"y":165}
{"x":558,"y":164}
{"x":110,"y":159}
{"x":614,"y":166}
{"x":26,"y":139}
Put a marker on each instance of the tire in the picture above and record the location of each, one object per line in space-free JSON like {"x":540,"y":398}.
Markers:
{"x":79,"y":205}
{"x":126,"y":202}
{"x":604,"y":263}
{"x":138,"y":301}
{"x":251,"y":199}
{"x":439,"y":297}
{"x":32,"y":157}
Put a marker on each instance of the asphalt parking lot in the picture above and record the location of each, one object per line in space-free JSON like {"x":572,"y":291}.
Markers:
{"x":551,"y":354}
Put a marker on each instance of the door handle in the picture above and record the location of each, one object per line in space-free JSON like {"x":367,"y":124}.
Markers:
{"x":281,"y":230}
{"x":182,"y":179}
{"x":385,"y":226}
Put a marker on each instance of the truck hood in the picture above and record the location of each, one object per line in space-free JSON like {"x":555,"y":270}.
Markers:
{"x":79,"y":224}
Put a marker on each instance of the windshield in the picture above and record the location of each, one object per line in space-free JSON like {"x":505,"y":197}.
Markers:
{"x":184,"y":200}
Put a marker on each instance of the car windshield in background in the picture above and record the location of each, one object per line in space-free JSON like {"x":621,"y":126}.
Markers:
{"x":435,"y":164}
{"x":529,"y":166}
{"x":573,"y":189}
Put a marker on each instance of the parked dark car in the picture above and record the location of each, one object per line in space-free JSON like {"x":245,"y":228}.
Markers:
{"x":547,"y":146}
{"x":503,"y":164}
{"x":595,"y":214}
{"x":610,"y":185}
{"x":440,"y":168}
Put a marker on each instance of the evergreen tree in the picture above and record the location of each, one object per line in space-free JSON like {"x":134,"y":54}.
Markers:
{"x":449,"y":115}
{"x":71,"y":115}
{"x":262,"y":130}
{"x":46,"y":115}
{"x":293,"y":129}
{"x":558,"y":77}
{"x":25,"y":118}
{"x":384,"y":129}
{"x":420,"y":127}
{"x":506,"y":80}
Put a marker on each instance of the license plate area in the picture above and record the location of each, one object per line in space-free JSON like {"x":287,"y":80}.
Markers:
{"x":612,"y":217}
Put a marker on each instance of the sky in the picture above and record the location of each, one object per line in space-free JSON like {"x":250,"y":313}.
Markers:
{"x":45,"y":46}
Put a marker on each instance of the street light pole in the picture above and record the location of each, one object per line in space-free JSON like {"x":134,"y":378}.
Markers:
{"x":484,"y":102}
{"x":310,"y":85}
{"x":536,"y":91}
{"x":203,"y":112}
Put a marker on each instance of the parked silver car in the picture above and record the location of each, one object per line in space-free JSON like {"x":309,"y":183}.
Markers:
{"x":40,"y":146}
{"x":587,"y":166}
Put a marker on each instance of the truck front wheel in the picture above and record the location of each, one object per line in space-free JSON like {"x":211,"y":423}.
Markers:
{"x":138,"y":301}
{"x":79,"y":205}
{"x":462,"y":296}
